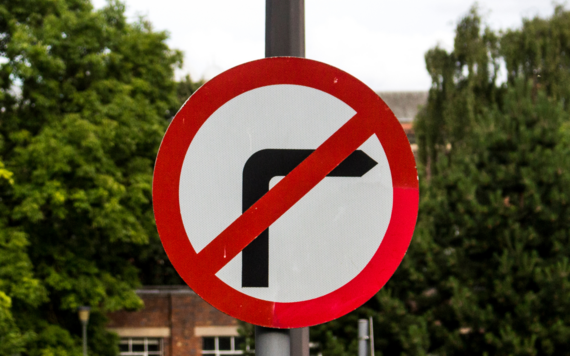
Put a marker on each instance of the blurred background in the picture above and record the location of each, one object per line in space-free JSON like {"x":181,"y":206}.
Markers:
{"x":87,"y":91}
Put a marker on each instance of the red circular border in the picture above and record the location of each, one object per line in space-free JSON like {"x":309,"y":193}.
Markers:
{"x":166,"y":181}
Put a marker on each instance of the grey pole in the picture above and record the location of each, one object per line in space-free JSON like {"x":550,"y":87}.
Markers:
{"x":285,"y":28}
{"x":284,"y":36}
{"x":84,"y":338}
{"x":371,"y":336}
{"x":363,"y":337}
{"x":272,"y":342}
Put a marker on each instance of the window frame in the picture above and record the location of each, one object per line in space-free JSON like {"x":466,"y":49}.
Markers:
{"x":145,"y":352}
{"x":217,"y":352}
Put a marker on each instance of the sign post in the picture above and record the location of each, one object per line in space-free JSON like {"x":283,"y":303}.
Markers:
{"x":284,"y":36}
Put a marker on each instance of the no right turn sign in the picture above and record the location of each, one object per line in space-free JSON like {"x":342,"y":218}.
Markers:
{"x":285,"y":192}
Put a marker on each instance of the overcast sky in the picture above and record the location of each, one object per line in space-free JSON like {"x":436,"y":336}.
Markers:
{"x":380,"y":42}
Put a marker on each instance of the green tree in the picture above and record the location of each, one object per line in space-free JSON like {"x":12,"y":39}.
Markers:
{"x":85,"y":98}
{"x":151,"y":259}
{"x":16,"y":278}
{"x":488,"y":270}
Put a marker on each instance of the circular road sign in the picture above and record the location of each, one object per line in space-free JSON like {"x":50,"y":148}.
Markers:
{"x":285,"y":192}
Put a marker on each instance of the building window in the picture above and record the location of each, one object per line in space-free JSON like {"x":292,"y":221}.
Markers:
{"x":221,"y":345}
{"x":140,"y":346}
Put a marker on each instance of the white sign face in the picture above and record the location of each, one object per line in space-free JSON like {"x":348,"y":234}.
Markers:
{"x":285,"y":192}
{"x":323,"y":241}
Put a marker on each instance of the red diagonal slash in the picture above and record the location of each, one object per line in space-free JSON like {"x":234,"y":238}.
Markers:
{"x":286,"y":193}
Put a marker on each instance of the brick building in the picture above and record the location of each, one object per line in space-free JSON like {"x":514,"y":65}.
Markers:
{"x":175,"y":321}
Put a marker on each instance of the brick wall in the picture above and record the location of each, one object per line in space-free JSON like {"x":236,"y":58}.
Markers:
{"x":177,"y":310}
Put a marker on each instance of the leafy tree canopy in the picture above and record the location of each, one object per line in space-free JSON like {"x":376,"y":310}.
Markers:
{"x":488,"y":270}
{"x":85,"y":98}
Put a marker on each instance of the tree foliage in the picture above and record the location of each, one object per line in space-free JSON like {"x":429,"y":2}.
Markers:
{"x":17,"y":280}
{"x":488,"y":270}
{"x":84,"y":102}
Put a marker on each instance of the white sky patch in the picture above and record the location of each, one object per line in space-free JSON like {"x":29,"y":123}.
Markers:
{"x":370,"y":53}
{"x":382,"y":43}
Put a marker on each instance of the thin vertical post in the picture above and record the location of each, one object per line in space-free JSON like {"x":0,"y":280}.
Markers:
{"x":363,"y":337}
{"x":84,"y":327}
{"x":371,"y":336}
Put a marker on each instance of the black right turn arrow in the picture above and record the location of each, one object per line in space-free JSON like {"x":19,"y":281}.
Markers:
{"x":258,"y":171}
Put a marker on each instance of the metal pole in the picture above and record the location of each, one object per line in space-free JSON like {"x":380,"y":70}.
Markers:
{"x":284,"y":36}
{"x":84,"y":325}
{"x":285,"y":28}
{"x":371,"y":337}
{"x":272,"y":342}
{"x":363,"y":337}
